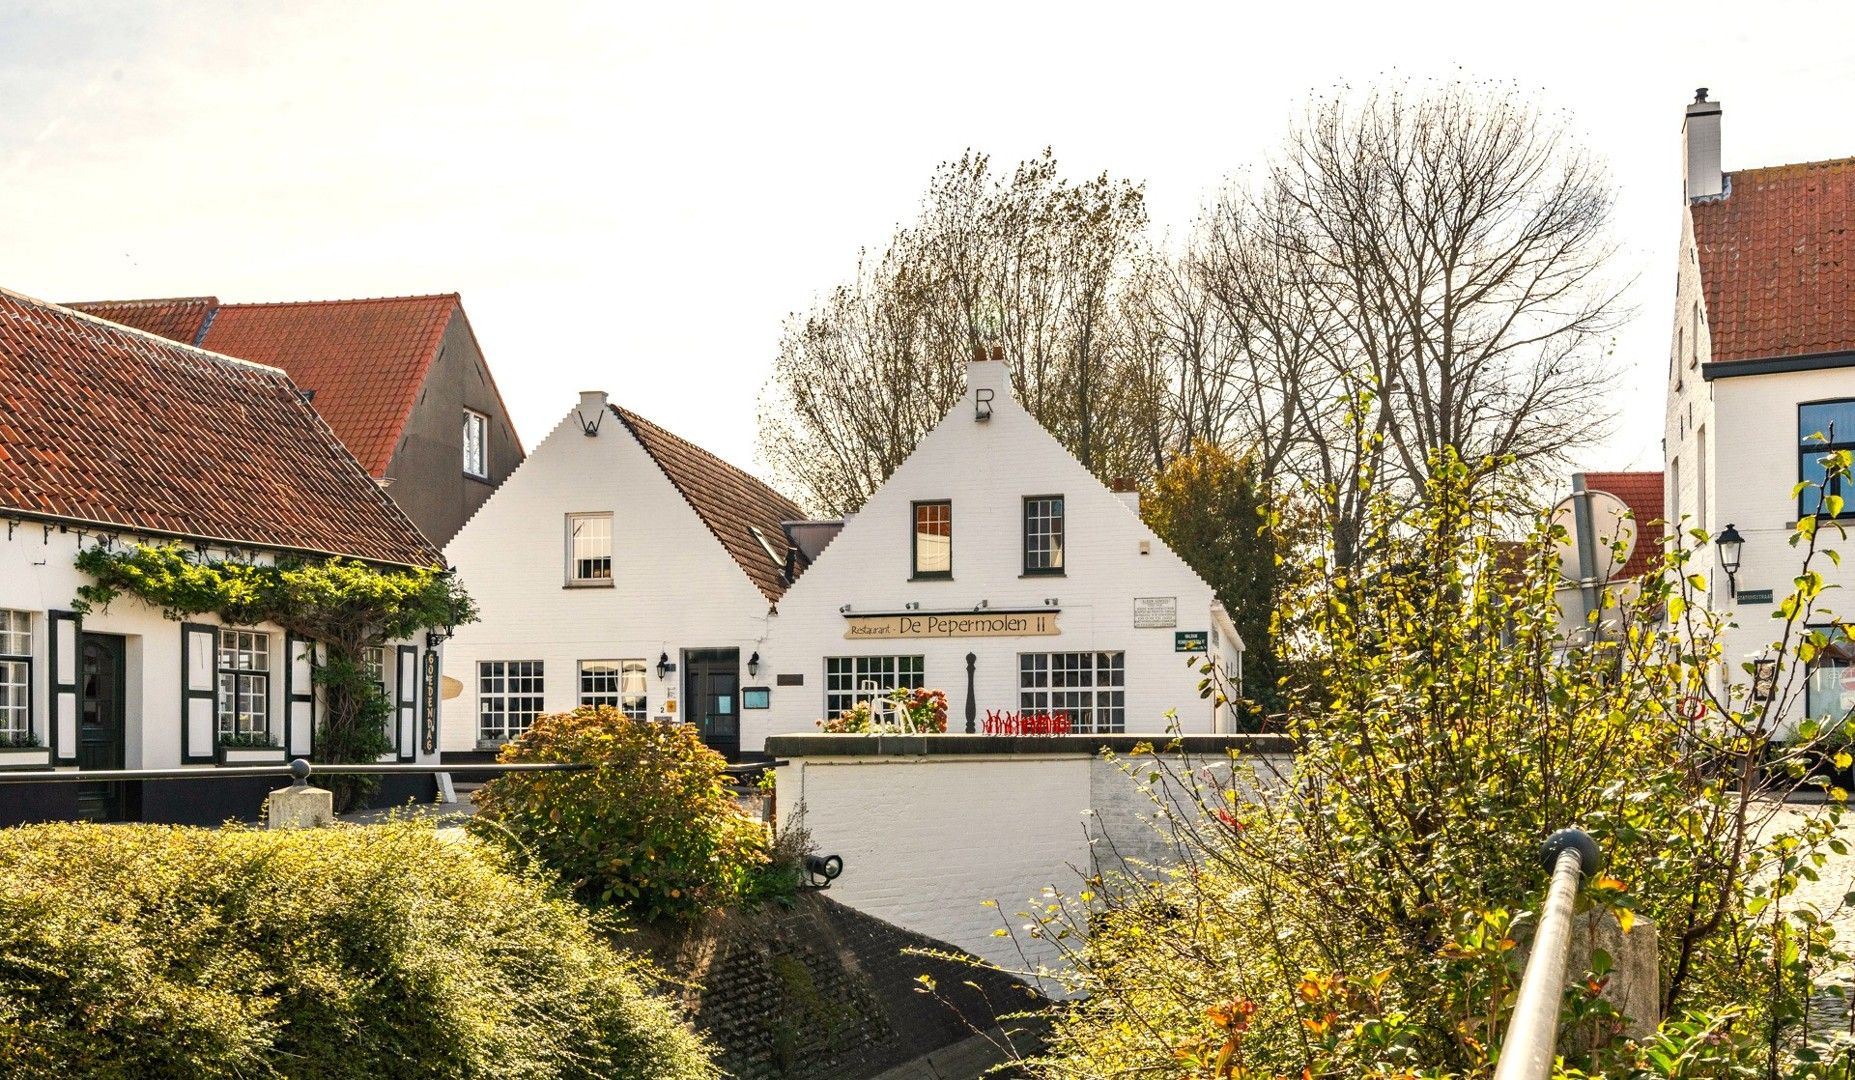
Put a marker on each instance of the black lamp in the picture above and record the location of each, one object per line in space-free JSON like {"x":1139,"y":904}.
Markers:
{"x":1731,"y":544}
{"x":753,"y":664}
{"x":664,"y":666}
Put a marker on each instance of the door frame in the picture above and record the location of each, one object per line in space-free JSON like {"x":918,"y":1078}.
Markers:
{"x":121,"y":797}
{"x":692,"y":699}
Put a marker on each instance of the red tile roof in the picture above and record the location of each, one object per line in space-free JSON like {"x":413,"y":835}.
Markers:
{"x":182,"y":318}
{"x":111,"y":426}
{"x":736,"y":507}
{"x":1777,"y":261}
{"x":1642,"y":493}
{"x":365,"y":360}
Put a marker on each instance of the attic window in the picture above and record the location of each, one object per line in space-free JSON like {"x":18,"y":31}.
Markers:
{"x":766,"y":546}
{"x":476,"y":436}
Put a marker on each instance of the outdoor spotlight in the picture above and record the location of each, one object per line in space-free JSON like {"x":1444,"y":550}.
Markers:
{"x":1731,"y":545}
{"x":753,"y":663}
{"x":825,"y":867}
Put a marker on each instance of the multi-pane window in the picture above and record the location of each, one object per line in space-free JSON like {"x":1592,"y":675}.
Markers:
{"x":244,"y":683}
{"x":618,"y":683}
{"x":476,"y":441}
{"x":1043,"y":534}
{"x":373,"y":658}
{"x":15,"y":675}
{"x":508,"y":698}
{"x":589,"y":549}
{"x":850,"y":679}
{"x":1822,"y":427}
{"x":1088,"y":687}
{"x":933,"y":539}
{"x":1828,"y":695}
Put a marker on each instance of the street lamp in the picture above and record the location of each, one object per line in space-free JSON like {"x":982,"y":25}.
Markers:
{"x":1731,"y":544}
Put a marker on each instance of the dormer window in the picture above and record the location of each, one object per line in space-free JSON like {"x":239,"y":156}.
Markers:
{"x":933,"y":538}
{"x":1043,"y":534}
{"x":476,"y":443}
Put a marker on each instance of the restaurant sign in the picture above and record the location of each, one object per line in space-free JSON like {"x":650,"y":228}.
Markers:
{"x":965,"y":624}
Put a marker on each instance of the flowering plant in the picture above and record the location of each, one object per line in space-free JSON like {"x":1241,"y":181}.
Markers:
{"x":914,"y":712}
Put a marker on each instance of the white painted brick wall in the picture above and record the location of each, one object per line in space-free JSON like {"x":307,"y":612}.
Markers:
{"x":986,"y":469}
{"x":674,"y":585}
{"x":37,"y":576}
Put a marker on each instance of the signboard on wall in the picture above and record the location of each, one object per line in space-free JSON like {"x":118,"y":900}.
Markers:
{"x":1191,"y":641}
{"x":1156,"y":611}
{"x":428,"y":703}
{"x":966,"y":624}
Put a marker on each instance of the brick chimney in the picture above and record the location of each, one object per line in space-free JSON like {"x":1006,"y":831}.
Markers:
{"x":1700,"y":144}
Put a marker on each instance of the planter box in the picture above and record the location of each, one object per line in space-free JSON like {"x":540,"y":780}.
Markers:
{"x":14,"y":758}
{"x":251,"y":755}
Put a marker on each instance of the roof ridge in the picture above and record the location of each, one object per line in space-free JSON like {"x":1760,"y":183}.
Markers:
{"x":147,"y":301}
{"x":124,"y":328}
{"x":1824,"y":162}
{"x":452,"y":296}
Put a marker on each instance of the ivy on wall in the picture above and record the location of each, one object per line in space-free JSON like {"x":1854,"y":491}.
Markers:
{"x":345,"y":604}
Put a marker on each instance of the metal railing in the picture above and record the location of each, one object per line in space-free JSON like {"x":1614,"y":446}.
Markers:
{"x":299,"y":770}
{"x":1533,"y":1030}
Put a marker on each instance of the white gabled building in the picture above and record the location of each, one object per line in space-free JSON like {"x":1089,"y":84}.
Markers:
{"x":113,"y":436}
{"x":1762,"y":358}
{"x":993,"y":566}
{"x":618,"y":565}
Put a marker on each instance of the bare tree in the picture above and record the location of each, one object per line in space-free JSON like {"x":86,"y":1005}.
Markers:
{"x":1030,"y":261}
{"x":1415,"y":273}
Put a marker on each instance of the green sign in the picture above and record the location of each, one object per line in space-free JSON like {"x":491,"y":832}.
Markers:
{"x":1190,"y":641}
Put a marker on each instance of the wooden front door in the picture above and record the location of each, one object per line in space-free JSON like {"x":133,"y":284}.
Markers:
{"x":101,"y":725}
{"x":712,"y":697}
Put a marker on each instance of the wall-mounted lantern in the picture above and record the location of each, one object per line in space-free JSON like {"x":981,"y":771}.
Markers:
{"x":753,"y":663}
{"x":664,"y":666}
{"x":1731,"y":545}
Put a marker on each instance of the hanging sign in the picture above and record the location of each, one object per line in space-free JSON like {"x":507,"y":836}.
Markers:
{"x":911,"y":624}
{"x":1156,"y":611}
{"x":428,"y":704}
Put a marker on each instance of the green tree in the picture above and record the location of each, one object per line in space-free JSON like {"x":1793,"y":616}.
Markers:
{"x":1210,"y":508}
{"x":1362,"y":916}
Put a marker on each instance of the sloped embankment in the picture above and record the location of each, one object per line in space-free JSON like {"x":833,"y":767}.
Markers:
{"x":819,"y":991}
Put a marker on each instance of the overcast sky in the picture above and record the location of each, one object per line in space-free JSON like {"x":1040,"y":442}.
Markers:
{"x":633,"y":196}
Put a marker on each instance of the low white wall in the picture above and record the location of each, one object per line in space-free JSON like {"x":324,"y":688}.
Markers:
{"x":930,"y":828}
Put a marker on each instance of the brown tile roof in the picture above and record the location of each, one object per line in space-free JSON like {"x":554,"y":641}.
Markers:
{"x":1777,"y":261}
{"x":737,"y":508}
{"x":112,"y":426}
{"x":1642,"y":493}
{"x":181,"y":318}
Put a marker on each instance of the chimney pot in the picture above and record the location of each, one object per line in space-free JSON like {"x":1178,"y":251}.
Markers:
{"x":1700,"y":95}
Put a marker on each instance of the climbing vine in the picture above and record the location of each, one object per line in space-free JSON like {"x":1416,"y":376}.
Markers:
{"x":345,"y":604}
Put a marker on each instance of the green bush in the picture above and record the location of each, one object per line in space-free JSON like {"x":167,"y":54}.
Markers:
{"x":653,"y":828}
{"x":386,"y":951}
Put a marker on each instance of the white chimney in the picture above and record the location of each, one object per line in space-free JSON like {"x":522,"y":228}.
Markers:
{"x":1700,"y":143}
{"x":592,"y":402}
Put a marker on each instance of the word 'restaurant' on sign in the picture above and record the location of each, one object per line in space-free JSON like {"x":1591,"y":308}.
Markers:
{"x":964,"y":624}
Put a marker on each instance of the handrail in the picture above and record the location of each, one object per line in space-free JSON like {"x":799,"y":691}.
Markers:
{"x":298,"y":769}
{"x":1533,"y":1031}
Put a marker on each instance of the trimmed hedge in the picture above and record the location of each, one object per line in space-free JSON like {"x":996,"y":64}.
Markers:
{"x":384,"y":951}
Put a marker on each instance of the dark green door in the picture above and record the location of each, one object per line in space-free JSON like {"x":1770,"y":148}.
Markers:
{"x":100,"y":725}
{"x":712,"y":697}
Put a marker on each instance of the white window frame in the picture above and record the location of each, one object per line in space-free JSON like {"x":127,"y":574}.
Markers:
{"x":1089,"y":687}
{"x":623,"y":685}
{"x":517,"y":708}
{"x":851,"y":679}
{"x":242,"y":669}
{"x":583,"y":551}
{"x":15,"y":674}
{"x":476,"y":444}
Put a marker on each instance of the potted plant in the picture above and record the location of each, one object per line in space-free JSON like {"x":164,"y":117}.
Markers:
{"x":21,"y":750}
{"x":249,"y":748}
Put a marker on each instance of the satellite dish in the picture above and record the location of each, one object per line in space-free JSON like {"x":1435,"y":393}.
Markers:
{"x":1611,"y":525}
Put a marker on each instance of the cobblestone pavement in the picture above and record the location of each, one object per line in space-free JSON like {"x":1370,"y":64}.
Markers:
{"x":1834,"y":880}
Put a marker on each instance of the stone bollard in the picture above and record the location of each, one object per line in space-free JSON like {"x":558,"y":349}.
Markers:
{"x":1634,"y":986}
{"x":299,"y":807}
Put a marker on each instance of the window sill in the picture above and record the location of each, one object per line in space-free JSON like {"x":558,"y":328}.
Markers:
{"x":481,"y":479}
{"x":606,"y":584}
{"x":946,"y":575}
{"x":1041,"y":573}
